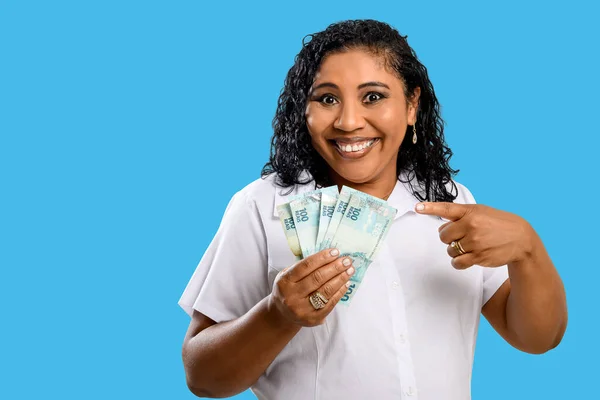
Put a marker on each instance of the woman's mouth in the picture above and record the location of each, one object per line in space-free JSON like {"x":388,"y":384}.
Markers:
{"x":354,"y":149}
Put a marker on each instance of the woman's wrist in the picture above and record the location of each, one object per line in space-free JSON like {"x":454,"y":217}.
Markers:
{"x":277,"y":319}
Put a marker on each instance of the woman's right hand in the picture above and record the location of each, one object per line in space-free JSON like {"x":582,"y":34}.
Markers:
{"x":322,"y":271}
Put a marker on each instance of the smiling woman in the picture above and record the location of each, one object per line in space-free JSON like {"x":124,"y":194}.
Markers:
{"x":358,"y":109}
{"x":361,"y":80}
{"x":357,"y":115}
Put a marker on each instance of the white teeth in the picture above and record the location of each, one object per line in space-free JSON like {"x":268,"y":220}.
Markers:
{"x":356,"y":147}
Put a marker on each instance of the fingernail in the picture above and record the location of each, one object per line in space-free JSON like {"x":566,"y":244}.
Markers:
{"x":346,"y":262}
{"x":420,"y":207}
{"x":334,"y":252}
{"x":350,"y":270}
{"x":348,"y":284}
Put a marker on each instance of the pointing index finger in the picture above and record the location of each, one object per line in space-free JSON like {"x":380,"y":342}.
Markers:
{"x":449,"y":211}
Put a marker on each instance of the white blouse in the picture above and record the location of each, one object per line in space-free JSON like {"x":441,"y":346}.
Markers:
{"x":409,"y":332}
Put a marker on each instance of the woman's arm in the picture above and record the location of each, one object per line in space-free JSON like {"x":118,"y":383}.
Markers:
{"x":224,"y":359}
{"x":530,"y":310}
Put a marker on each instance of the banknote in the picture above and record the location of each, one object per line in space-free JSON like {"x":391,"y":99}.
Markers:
{"x":329,"y":197}
{"x":334,"y":222}
{"x":360,"y":235}
{"x":340,"y":210}
{"x":332,"y":190}
{"x":287,"y":221}
{"x":352,"y":221}
{"x":305,"y":212}
{"x":363,"y":194}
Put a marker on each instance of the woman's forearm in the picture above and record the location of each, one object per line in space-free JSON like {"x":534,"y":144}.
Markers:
{"x":227,"y":358}
{"x":536,"y":310}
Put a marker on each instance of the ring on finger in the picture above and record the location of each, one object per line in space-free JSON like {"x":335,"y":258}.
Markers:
{"x":456,"y":246}
{"x":317,"y":300}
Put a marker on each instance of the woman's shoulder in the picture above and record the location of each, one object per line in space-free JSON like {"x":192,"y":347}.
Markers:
{"x":454,"y":188}
{"x":260,"y":189}
{"x":265,"y":193}
{"x":464,"y":195}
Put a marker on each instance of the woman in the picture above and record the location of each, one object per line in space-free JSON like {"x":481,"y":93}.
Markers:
{"x":358,"y":109}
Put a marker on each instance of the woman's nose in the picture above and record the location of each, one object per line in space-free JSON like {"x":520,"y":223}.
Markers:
{"x":349,"y":119}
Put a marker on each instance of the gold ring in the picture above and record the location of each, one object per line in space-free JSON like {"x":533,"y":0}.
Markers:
{"x":317,"y":300}
{"x":456,"y":246}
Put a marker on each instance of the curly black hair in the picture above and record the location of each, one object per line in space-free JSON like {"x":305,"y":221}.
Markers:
{"x":291,"y":148}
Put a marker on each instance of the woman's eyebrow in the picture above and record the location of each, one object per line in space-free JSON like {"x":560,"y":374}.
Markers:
{"x":362,"y":85}
{"x":374,"y":83}
{"x":325,"y":84}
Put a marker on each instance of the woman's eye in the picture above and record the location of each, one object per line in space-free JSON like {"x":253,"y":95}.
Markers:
{"x":327,"y":99}
{"x":373,"y":97}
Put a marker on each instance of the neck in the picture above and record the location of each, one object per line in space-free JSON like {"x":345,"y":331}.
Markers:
{"x":380,"y":187}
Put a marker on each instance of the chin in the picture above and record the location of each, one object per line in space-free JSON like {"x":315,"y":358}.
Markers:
{"x":357,"y":174}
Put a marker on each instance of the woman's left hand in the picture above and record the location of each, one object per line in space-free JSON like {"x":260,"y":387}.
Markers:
{"x":489,"y":237}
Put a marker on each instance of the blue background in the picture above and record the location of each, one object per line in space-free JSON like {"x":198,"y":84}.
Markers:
{"x":126,"y":126}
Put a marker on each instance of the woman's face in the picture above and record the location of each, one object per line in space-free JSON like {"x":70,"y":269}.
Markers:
{"x":357,"y":116}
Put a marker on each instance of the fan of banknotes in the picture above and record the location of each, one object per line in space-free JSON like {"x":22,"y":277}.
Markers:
{"x":352,"y":221}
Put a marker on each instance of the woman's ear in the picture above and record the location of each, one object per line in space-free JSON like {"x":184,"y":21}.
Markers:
{"x":413,"y":106}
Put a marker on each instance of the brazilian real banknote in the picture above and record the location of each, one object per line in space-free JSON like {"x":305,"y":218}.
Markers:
{"x":328,"y":201}
{"x":352,"y":221}
{"x":360,"y":234}
{"x":340,"y":210}
{"x":307,"y":213}
{"x":289,"y":228}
